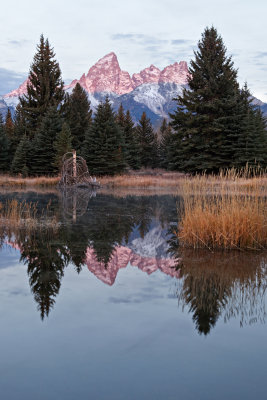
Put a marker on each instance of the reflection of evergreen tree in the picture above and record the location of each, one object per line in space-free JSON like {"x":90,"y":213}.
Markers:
{"x":75,"y":238}
{"x":206,"y":297}
{"x":46,"y":261}
{"x":211,"y":282}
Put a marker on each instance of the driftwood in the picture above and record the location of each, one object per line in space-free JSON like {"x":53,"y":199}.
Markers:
{"x":74,"y":172}
{"x":75,"y":201}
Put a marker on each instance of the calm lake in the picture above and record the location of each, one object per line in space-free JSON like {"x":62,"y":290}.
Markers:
{"x":100,"y":302}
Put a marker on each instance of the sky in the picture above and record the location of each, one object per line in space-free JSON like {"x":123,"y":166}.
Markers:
{"x":140,"y":32}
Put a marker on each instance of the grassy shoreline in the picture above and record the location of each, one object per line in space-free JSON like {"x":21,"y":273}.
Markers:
{"x":148,"y":179}
{"x":225,"y":211}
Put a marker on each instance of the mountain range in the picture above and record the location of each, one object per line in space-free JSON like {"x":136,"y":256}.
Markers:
{"x":151,"y":90}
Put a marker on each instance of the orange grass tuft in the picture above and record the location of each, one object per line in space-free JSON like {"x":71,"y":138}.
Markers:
{"x":22,"y":214}
{"x":42,"y":181}
{"x":219,"y":213}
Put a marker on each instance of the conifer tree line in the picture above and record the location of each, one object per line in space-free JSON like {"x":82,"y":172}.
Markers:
{"x":214,"y":125}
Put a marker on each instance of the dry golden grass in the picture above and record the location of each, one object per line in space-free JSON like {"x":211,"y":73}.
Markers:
{"x":223,"y":212}
{"x":14,"y":182}
{"x":143,"y":179}
{"x":15,"y":214}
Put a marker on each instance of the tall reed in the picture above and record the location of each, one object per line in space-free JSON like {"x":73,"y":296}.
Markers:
{"x":22,"y":214}
{"x":224,"y":212}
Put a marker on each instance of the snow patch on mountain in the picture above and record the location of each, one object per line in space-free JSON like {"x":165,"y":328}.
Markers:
{"x":153,"y":244}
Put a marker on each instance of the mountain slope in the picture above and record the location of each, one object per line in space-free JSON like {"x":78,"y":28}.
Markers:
{"x":151,"y":90}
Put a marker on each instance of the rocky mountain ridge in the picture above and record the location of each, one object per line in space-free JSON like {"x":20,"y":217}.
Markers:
{"x":107,"y":76}
{"x":151,"y":90}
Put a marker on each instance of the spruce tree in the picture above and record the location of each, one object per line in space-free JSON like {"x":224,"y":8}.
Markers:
{"x":165,"y":145}
{"x":249,"y":144}
{"x":147,"y":141}
{"x":44,"y":88}
{"x":4,"y":148}
{"x":131,"y":148}
{"x":62,"y":144}
{"x":120,"y":117}
{"x":9,"y":124}
{"x":103,"y":145}
{"x":131,"y":142}
{"x":208,"y":110}
{"x":22,"y":160}
{"x":44,"y":148}
{"x":78,"y":114}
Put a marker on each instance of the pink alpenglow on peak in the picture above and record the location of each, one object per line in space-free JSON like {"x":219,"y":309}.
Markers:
{"x":177,"y":72}
{"x":121,"y":257}
{"x":22,"y":89}
{"x":107,"y":76}
{"x":147,"y":75}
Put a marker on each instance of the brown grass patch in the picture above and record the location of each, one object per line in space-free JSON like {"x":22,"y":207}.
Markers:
{"x":224,"y":213}
{"x":15,"y":214}
{"x":14,"y":182}
{"x":143,"y":179}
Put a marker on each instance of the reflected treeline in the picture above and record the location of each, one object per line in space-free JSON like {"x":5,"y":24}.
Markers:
{"x":222,"y":284}
{"x":212,"y":285}
{"x":103,"y":224}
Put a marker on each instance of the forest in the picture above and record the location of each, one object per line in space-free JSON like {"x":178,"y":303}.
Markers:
{"x":214,"y":127}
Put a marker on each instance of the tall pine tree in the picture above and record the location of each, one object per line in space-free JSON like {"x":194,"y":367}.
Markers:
{"x":208,"y":110}
{"x":44,"y":144}
{"x":44,"y":87}
{"x":103,"y":145}
{"x":22,"y":161}
{"x":78,"y":115}
{"x":131,"y":147}
{"x":147,"y":141}
{"x":165,"y":145}
{"x":131,"y":140}
{"x":4,"y":148}
{"x":62,"y":144}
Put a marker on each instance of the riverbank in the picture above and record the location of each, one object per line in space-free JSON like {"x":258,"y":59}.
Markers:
{"x":151,"y":179}
{"x":140,"y":179}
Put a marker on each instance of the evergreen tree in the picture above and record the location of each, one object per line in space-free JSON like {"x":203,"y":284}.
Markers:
{"x":248,"y":141}
{"x":4,"y":148}
{"x":165,"y":145}
{"x":62,"y":144}
{"x":9,"y":125}
{"x":22,"y":160}
{"x":18,"y":132}
{"x":131,"y":140}
{"x":103,"y":145}
{"x":44,"y":87}
{"x":44,"y":148}
{"x":120,"y":117}
{"x":147,"y":141}
{"x":78,"y":114}
{"x":131,"y":147}
{"x":208,"y":111}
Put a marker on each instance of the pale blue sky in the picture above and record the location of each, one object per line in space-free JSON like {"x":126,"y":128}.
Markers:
{"x":140,"y":32}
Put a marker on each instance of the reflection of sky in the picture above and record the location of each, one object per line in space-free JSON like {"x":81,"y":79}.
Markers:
{"x":8,"y":258}
{"x":128,"y":341}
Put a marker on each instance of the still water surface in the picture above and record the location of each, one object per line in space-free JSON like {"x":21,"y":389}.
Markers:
{"x":103,"y":304}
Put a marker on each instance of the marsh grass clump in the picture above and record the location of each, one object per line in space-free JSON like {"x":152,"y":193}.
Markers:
{"x":224,"y":212}
{"x":16,"y":214}
{"x":20,"y":182}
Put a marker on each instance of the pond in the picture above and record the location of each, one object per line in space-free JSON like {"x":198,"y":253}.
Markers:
{"x":104,"y":304}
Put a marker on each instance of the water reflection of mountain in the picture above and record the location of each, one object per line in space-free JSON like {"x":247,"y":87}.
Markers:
{"x":111,"y":233}
{"x":137,"y":232}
